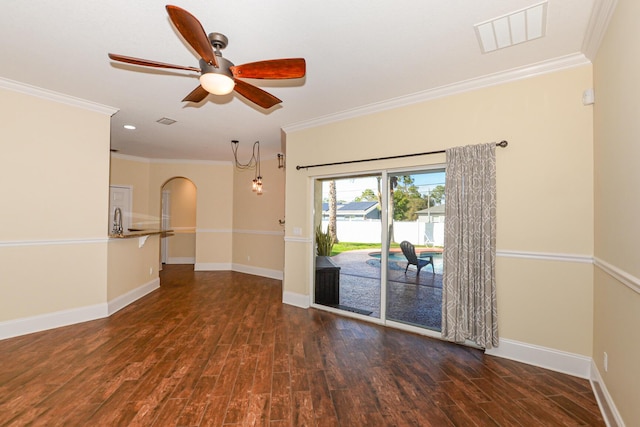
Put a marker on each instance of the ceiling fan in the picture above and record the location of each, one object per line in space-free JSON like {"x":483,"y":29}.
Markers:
{"x":218,"y":75}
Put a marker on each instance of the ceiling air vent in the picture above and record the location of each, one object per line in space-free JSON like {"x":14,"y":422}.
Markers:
{"x":513,"y":28}
{"x":166,"y":121}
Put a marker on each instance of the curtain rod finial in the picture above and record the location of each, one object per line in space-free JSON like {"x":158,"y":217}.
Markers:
{"x":502,"y":143}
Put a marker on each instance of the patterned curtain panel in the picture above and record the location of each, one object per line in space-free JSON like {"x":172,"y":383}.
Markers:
{"x":469,"y":285}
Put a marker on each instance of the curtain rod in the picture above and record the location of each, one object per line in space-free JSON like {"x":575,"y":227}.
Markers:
{"x":502,"y":144}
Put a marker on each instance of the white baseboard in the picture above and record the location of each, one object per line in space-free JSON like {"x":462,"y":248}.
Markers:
{"x":257,"y":271}
{"x":124,"y":300}
{"x":548,"y":358}
{"x":181,"y":260}
{"x":241,"y":268}
{"x":43,"y":322}
{"x":211,"y":266}
{"x":607,"y":407}
{"x":297,"y":300}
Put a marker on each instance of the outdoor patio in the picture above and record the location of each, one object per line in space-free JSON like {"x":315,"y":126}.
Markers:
{"x":413,"y":299}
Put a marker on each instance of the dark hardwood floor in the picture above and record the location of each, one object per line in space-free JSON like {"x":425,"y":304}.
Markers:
{"x":219,"y":348}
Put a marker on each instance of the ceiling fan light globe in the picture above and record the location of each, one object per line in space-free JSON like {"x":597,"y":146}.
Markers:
{"x":217,"y":84}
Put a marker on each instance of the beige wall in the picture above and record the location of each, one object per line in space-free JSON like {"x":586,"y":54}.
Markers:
{"x":134,"y":173}
{"x":258,"y":238}
{"x":57,"y":196}
{"x":182,"y":210}
{"x":132,"y":263}
{"x":214,"y":184}
{"x":182,"y":247}
{"x":234,"y":228}
{"x":546,"y":303}
{"x":48,"y":277}
{"x":53,"y":221}
{"x":55,"y":255}
{"x":545,"y":192}
{"x":129,"y":266}
{"x":182,"y":218}
{"x":617,"y":229}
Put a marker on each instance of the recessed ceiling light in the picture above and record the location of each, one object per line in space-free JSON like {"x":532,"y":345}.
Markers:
{"x":130,"y":127}
{"x":514,"y":28}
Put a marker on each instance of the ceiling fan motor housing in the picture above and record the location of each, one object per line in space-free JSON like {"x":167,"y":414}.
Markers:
{"x":225,"y":67}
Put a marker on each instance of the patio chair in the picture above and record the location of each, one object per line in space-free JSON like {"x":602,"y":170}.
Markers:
{"x":409,"y":252}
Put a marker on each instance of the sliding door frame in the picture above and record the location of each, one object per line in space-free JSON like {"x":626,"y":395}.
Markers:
{"x":384,"y":173}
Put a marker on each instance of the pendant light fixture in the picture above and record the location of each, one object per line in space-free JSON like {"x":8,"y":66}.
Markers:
{"x":253,"y":163}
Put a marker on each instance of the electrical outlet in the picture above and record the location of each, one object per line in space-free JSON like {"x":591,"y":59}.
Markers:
{"x":248,"y":257}
{"x":606,"y":361}
{"x":150,"y":271}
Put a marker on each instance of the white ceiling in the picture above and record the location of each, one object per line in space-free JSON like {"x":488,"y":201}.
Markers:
{"x":358,"y":53}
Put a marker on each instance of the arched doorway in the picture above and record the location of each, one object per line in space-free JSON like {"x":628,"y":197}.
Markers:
{"x":179,"y":214}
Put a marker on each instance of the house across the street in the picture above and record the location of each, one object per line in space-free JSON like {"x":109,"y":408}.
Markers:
{"x":353,"y":211}
{"x":432,"y":214}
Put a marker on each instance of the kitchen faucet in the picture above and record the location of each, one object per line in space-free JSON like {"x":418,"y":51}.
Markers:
{"x":117,"y":221}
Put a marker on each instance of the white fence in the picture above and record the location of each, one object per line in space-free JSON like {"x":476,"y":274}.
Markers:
{"x":418,"y":233}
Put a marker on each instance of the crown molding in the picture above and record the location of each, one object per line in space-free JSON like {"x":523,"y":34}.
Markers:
{"x":597,"y":28}
{"x":174,"y":161}
{"x":192,"y":162}
{"x":56,"y":97}
{"x":170,"y":161}
{"x":545,"y":67}
{"x":130,"y":158}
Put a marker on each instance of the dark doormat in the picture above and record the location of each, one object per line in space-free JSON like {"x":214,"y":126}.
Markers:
{"x":351,"y":309}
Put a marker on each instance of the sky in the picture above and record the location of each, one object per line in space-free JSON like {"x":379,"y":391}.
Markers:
{"x":349,"y":188}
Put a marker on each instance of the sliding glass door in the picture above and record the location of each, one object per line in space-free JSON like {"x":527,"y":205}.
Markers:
{"x":415,"y":212}
{"x":348,"y":278}
{"x":369,"y":217}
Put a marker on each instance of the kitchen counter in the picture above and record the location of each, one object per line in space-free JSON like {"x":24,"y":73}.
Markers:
{"x":141,"y":233}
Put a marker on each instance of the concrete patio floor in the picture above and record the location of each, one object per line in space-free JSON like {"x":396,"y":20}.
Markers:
{"x":412,"y":298}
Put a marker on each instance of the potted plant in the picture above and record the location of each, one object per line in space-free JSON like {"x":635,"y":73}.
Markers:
{"x":324,"y":242}
{"x":327,"y":285}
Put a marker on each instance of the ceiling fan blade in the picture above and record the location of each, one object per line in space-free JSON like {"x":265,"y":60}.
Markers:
{"x":256,"y":95}
{"x":149,"y":63}
{"x":192,"y":31}
{"x":292,"y":68}
{"x":196,"y":95}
